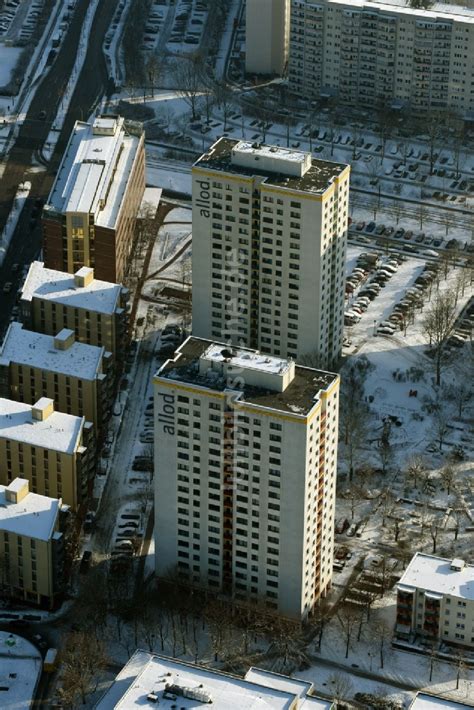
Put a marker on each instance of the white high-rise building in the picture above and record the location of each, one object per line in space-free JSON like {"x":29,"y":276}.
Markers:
{"x":269,"y":245}
{"x":383,"y":53}
{"x":267,"y":28}
{"x":245,"y":471}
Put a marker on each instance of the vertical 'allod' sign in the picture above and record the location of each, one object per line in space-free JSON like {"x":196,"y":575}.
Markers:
{"x":166,"y":412}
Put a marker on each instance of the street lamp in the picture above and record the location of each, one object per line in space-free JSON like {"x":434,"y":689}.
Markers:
{"x":375,"y":326}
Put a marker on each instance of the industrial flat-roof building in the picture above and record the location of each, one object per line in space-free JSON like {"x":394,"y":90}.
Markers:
{"x":435,"y":599}
{"x":89,"y":219}
{"x":97,"y":311}
{"x":269,"y":245}
{"x":75,"y":375}
{"x":52,"y":450}
{"x":31,"y":544}
{"x":426,"y":701}
{"x":147,"y":680}
{"x":245,"y":475}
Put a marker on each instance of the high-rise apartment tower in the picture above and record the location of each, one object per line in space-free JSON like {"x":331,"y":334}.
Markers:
{"x":269,"y":245}
{"x":245,"y":471}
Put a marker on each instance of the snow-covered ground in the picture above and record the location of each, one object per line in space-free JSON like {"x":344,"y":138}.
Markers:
{"x":12,"y":220}
{"x":8,"y":58}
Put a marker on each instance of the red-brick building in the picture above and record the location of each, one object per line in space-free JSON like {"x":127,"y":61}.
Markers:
{"x":89,"y":219}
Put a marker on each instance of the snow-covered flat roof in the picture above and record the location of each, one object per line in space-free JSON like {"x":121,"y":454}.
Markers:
{"x":59,"y":432}
{"x":273,"y":151}
{"x":58,"y":286}
{"x":434,"y":574}
{"x":248,"y":359}
{"x":34,"y":516}
{"x":146,"y":673}
{"x":431,"y":702}
{"x":37,"y":350}
{"x":436,"y":11}
{"x":20,"y":669}
{"x":94,"y":171}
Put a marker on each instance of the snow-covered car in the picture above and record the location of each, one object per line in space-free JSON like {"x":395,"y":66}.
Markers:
{"x":383,"y":330}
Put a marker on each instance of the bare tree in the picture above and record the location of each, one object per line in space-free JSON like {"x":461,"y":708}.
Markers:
{"x":461,"y":667}
{"x":433,"y":659}
{"x":320,"y":617}
{"x":341,"y":687}
{"x":441,"y":421}
{"x":153,"y":70}
{"x":83,"y":658}
{"x":217,"y":619}
{"x":225,"y":100}
{"x":415,"y":468}
{"x":387,"y":501}
{"x":448,"y":477}
{"x":348,"y":618}
{"x":382,"y":631}
{"x":457,"y":515}
{"x":435,"y":528}
{"x":438,"y":324}
{"x":188,"y":75}
{"x":462,"y":392}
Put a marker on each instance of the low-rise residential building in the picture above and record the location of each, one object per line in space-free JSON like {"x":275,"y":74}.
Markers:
{"x":52,"y":450}
{"x":435,"y":599}
{"x":90,"y":215}
{"x":148,"y":680}
{"x":31,"y":545}
{"x":97,"y":311}
{"x":426,"y":701}
{"x":75,"y":375}
{"x":245,"y":475}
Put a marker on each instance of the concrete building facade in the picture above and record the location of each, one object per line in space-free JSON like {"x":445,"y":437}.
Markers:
{"x":97,"y":311}
{"x":245,"y":471}
{"x":53,"y":451}
{"x":90,"y":216}
{"x":383,"y":54}
{"x":31,"y":545}
{"x":267,"y":32}
{"x":435,"y":599}
{"x":269,"y":245}
{"x":77,"y":377}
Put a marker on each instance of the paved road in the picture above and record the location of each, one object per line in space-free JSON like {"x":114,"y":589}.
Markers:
{"x":92,"y":83}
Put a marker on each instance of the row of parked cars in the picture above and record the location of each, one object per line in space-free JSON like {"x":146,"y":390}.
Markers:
{"x":380,"y":272}
{"x":463,"y":327}
{"x":189,"y":22}
{"x":403,"y":234}
{"x":412,"y":298}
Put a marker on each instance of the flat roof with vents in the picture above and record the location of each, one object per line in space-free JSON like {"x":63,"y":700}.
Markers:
{"x":25,"y":347}
{"x":94,"y":171}
{"x":438,"y":575}
{"x":143,"y":680}
{"x":58,"y":431}
{"x":34,"y":516}
{"x":60,"y":287}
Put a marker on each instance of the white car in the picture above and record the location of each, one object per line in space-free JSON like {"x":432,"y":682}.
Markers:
{"x":383,"y":330}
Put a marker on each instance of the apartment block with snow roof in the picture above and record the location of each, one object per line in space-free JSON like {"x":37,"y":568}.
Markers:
{"x":31,"y":545}
{"x":97,"y":311}
{"x":435,"y":599}
{"x":52,"y":450}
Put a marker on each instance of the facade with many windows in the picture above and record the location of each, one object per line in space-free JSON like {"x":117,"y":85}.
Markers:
{"x":31,"y":545}
{"x":269,"y":245}
{"x":435,"y":599}
{"x":383,"y":54}
{"x":52,"y":450}
{"x":90,"y":215}
{"x":245,"y":471}
{"x":97,"y":311}
{"x":76,"y":376}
